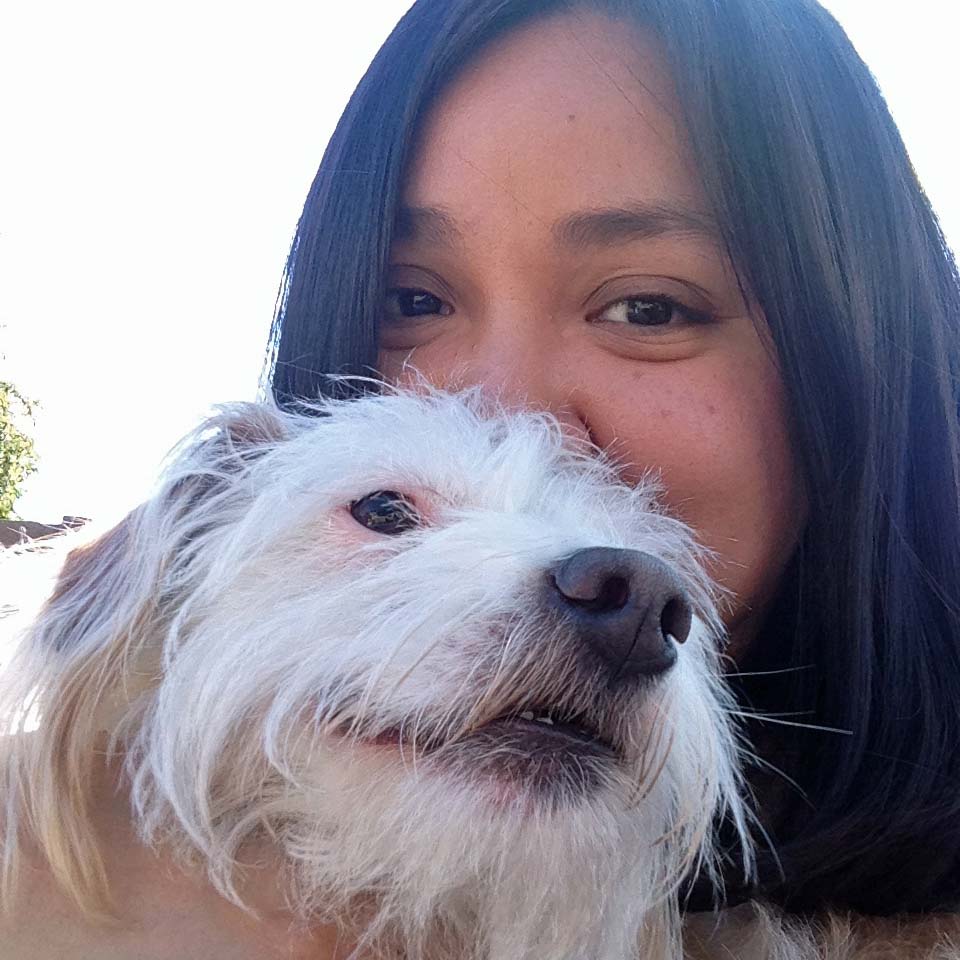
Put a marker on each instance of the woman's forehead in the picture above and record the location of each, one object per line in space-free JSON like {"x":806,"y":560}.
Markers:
{"x":572,"y":117}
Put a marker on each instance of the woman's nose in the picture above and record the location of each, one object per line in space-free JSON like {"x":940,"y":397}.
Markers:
{"x":522,"y":372}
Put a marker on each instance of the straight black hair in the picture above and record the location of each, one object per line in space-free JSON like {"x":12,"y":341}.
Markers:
{"x":833,"y":238}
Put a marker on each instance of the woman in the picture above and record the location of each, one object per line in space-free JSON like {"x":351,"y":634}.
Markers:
{"x":690,"y":229}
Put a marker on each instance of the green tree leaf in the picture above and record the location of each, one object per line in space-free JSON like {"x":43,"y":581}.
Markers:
{"x":18,"y":458}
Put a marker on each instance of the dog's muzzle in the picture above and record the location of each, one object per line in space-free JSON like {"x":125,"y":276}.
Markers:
{"x":620,"y":615}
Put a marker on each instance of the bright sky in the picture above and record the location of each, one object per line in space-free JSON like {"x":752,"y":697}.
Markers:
{"x":155,"y":158}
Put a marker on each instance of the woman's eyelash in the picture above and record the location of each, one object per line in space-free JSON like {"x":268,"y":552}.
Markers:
{"x":641,"y":310}
{"x":649,"y":310}
{"x":415,"y":302}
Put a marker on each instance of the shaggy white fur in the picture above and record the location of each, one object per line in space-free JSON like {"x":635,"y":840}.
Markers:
{"x":271,"y":669}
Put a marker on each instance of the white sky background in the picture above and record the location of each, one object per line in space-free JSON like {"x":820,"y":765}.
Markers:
{"x":153,"y":162}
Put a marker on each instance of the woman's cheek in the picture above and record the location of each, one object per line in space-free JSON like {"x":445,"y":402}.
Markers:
{"x":717,"y":436}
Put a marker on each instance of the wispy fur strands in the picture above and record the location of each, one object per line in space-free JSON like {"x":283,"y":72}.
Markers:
{"x":836,"y":244}
{"x":271,"y":673}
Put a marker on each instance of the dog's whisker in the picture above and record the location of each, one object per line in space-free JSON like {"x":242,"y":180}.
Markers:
{"x":651,"y":748}
{"x":769,"y":673}
{"x":778,"y":713}
{"x":430,"y":648}
{"x":769,"y":718}
{"x":650,"y":774}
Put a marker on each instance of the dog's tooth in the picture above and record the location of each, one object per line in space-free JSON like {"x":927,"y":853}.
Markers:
{"x":546,"y":720}
{"x":527,"y":715}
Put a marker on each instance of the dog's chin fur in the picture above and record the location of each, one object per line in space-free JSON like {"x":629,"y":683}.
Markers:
{"x":269,"y":670}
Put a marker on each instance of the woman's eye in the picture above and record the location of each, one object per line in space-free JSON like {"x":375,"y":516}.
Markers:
{"x":405,"y":302}
{"x":648,"y":312}
{"x":386,"y":512}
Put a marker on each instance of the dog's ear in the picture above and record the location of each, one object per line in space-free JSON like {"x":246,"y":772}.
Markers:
{"x":220,"y":450}
{"x":251,"y":427}
{"x":92,"y":578}
{"x":106,"y":595}
{"x":96,"y":646}
{"x":51,"y":693}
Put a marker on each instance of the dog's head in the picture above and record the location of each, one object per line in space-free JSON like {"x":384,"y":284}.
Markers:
{"x":439,"y":655}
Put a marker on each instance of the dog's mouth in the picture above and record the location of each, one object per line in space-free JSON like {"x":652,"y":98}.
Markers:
{"x":549,"y":750}
{"x":540,"y":727}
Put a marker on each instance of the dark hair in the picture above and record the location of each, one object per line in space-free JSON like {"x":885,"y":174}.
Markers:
{"x":833,"y":237}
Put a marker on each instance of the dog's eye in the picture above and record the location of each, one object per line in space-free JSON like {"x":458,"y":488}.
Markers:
{"x":385,"y":511}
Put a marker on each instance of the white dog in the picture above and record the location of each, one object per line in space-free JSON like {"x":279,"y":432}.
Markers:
{"x":436,"y":664}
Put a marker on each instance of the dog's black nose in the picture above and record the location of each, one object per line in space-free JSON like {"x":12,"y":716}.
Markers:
{"x":626,"y":606}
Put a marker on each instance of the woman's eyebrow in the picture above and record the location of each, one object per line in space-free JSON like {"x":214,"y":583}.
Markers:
{"x":635,"y":221}
{"x":604,"y":226}
{"x":430,"y":224}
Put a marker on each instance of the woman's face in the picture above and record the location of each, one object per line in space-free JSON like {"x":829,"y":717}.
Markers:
{"x":556,"y":247}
